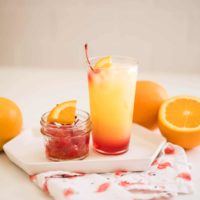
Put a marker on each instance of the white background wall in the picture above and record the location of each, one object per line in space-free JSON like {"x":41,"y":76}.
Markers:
{"x":164,"y":35}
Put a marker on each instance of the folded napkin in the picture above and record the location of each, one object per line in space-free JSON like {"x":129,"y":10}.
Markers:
{"x":168,"y":176}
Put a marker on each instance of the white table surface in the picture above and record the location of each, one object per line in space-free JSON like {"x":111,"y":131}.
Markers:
{"x":37,"y":90}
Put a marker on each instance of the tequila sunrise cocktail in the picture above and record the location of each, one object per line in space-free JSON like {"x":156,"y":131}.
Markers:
{"x":111,"y":83}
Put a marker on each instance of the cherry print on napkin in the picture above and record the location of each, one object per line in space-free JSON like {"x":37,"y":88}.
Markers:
{"x":169,"y":149}
{"x":45,"y":186}
{"x":164,"y":165}
{"x":103,"y":187}
{"x":154,"y":162}
{"x":120,"y":172}
{"x":185,"y":175}
{"x":124,"y":183}
{"x":167,"y":176}
{"x":67,"y":192}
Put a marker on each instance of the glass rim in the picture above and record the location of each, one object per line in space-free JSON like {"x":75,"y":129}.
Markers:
{"x":44,"y":122}
{"x":128,"y":58}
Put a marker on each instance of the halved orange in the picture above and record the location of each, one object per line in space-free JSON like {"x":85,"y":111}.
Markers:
{"x":104,"y":62}
{"x":63,"y":113}
{"x":179,"y":120}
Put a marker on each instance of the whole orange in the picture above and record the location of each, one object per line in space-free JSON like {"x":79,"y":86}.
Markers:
{"x":148,"y":98}
{"x":10,"y":120}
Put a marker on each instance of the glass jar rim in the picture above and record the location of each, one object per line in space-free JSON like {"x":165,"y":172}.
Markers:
{"x":84,"y":122}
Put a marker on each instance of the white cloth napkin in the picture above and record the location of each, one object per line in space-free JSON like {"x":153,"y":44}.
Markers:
{"x":168,"y":176}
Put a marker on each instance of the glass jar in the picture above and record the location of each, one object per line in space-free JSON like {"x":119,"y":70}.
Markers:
{"x":67,"y":142}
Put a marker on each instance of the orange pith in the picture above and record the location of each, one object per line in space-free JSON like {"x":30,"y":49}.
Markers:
{"x":179,"y":120}
{"x":63,"y":113}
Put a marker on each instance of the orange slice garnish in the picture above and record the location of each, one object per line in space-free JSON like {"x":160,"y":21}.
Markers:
{"x":179,"y":120}
{"x":63,"y":113}
{"x":104,"y":62}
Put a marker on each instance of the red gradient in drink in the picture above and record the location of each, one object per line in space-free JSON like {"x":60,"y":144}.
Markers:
{"x":111,"y":148}
{"x":112,"y":142}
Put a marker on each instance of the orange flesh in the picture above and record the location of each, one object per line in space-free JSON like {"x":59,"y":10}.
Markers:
{"x":63,"y":113}
{"x":67,"y":116}
{"x":184,"y":113}
{"x":104,"y":62}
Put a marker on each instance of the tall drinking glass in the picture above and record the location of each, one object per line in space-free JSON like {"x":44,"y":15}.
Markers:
{"x":112,"y":92}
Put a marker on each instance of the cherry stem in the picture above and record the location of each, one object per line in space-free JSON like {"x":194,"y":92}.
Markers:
{"x":86,"y":53}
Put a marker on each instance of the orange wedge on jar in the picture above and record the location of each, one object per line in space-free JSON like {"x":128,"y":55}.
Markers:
{"x":179,"y":121}
{"x":63,"y":113}
{"x":104,"y":62}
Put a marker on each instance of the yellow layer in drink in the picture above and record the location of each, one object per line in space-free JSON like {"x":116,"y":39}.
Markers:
{"x":112,"y":92}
